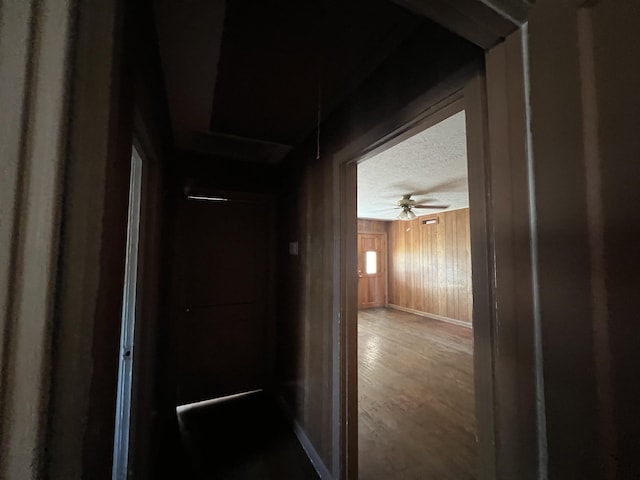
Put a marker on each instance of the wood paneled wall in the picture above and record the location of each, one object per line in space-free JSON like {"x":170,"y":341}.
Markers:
{"x":304,"y":363}
{"x":430,"y":265}
{"x":372,"y":226}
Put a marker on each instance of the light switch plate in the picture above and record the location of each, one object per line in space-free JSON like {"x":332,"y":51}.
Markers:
{"x":293,"y":248}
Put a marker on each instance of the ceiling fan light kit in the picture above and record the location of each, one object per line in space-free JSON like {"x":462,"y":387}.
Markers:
{"x":406,"y":214}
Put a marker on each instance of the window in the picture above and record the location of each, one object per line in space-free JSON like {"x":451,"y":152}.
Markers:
{"x":371,"y":262}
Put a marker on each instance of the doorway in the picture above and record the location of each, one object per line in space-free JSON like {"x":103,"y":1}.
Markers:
{"x":128,"y":325}
{"x":222,"y":329}
{"x":372,"y":269}
{"x":416,"y":414}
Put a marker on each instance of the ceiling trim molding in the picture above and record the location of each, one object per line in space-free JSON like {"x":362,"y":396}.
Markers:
{"x":482,"y":22}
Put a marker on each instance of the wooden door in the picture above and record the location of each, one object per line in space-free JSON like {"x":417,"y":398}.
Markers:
{"x":223,"y":329}
{"x":372,"y":270}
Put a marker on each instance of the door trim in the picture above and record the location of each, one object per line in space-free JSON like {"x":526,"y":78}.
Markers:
{"x":503,"y":262}
{"x":130,"y":303}
{"x":483,"y":22}
{"x":429,"y":109}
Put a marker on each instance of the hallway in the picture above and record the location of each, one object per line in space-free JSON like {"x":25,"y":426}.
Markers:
{"x":242,"y":438}
{"x":281,"y":102}
{"x":416,"y":402}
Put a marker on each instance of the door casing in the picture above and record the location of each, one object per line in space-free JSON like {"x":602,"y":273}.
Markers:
{"x":500,"y":239}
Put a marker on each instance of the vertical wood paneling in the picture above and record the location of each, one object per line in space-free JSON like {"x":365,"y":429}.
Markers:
{"x":610,"y":104}
{"x":372,"y":226}
{"x":430,"y":265}
{"x":305,"y":330}
{"x":414,"y":246}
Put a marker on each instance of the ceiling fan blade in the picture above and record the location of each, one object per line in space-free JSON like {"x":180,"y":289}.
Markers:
{"x":431,"y":206}
{"x":453,"y":185}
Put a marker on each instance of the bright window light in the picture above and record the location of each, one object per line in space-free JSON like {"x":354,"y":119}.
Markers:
{"x":372,"y":262}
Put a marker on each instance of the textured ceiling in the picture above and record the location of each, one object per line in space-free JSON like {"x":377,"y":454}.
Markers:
{"x":431,"y":165}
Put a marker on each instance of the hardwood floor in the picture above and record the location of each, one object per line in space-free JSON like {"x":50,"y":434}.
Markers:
{"x":245,"y":438}
{"x":416,"y":404}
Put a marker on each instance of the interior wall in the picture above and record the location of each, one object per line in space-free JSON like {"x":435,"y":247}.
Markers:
{"x":304,"y":364}
{"x":373,"y":226}
{"x":400,"y":89}
{"x":612,"y":27}
{"x":430,"y":265}
{"x":584,"y":124}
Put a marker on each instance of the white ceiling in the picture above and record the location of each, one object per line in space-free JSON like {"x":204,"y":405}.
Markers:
{"x":431,"y":165}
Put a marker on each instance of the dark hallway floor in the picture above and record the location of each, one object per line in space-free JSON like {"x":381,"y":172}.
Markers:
{"x":242,"y":438}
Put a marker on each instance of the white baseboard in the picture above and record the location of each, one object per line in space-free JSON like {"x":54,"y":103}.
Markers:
{"x":432,"y":316}
{"x":305,"y":442}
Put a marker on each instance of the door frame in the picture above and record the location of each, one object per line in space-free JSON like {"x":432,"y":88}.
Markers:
{"x":507,"y":351}
{"x":130,"y":307}
{"x":425,"y":112}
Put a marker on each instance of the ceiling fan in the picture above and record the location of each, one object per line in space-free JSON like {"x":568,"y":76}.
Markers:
{"x":406,"y":203}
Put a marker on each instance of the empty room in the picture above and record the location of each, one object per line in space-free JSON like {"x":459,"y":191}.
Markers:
{"x":416,"y":415}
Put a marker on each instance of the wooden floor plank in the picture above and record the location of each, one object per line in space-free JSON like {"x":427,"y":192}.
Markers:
{"x":416,"y":404}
